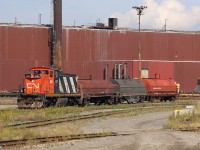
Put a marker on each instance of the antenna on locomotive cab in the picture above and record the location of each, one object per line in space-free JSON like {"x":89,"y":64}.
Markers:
{"x":139,"y":10}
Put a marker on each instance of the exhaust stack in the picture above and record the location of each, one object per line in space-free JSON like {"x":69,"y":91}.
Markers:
{"x":115,"y":72}
{"x":119,"y":71}
{"x":57,"y":35}
{"x":125,"y":69}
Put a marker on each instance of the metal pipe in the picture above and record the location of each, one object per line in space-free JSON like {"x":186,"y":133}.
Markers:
{"x":106,"y":72}
{"x":119,"y":71}
{"x":125,"y":69}
{"x":115,"y":72}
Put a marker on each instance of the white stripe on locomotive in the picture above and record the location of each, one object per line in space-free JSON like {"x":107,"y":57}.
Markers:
{"x":73,"y":85}
{"x":60,"y":87}
{"x":66,"y":84}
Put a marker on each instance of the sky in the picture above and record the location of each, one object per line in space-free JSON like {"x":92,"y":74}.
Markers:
{"x":180,"y":14}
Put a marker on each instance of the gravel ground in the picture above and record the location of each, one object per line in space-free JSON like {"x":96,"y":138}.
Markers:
{"x":146,"y":134}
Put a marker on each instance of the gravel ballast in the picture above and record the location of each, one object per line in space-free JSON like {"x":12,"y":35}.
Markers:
{"x":146,"y":133}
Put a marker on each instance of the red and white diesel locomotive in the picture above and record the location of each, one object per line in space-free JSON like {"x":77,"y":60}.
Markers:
{"x":44,"y":87}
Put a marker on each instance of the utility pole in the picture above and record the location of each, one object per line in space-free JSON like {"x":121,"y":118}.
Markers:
{"x":139,"y":10}
{"x":39,"y":18}
{"x":165,"y":25}
{"x":15,"y":20}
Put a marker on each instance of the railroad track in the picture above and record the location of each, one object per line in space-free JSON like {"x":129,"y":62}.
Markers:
{"x":189,"y":129}
{"x":41,"y":140}
{"x":80,"y":117}
{"x":61,"y":120}
{"x":188,"y":97}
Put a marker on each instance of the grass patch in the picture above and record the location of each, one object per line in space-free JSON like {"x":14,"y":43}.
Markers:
{"x":17,"y":116}
{"x":185,"y":121}
{"x":143,"y":111}
{"x":54,"y":130}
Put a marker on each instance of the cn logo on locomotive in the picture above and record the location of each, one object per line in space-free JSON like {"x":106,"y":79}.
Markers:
{"x":31,"y":85}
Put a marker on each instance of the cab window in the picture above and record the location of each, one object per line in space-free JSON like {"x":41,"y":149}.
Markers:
{"x":45,"y":72}
{"x":51,"y":73}
{"x":37,"y":71}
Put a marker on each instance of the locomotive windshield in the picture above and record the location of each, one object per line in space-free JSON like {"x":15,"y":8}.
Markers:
{"x":39,"y":72}
{"x":36,"y":73}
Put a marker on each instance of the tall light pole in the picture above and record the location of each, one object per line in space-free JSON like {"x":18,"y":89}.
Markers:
{"x":39,"y":18}
{"x":15,"y":20}
{"x":166,"y":25}
{"x":139,"y":10}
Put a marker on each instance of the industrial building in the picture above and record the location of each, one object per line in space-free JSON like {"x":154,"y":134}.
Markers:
{"x":90,"y":52}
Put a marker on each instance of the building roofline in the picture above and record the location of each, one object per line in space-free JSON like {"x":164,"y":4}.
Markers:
{"x":96,"y":28}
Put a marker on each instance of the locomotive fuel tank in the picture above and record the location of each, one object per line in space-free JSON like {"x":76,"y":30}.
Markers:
{"x":161,"y":89}
{"x":130,"y":90}
{"x":97,"y":91}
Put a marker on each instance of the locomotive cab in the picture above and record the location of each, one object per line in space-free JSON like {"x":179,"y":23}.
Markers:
{"x":39,"y":81}
{"x":44,"y":87}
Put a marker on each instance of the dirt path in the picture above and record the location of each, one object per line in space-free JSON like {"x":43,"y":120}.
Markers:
{"x":146,"y":130}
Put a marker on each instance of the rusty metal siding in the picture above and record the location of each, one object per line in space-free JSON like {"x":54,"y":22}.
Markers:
{"x":187,"y":74}
{"x":170,"y":46}
{"x":97,"y":45}
{"x":20,"y":49}
{"x":90,"y":50}
{"x":86,"y":53}
{"x":164,"y":70}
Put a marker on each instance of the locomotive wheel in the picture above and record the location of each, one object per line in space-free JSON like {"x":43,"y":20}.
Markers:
{"x":61,"y":102}
{"x":173,"y":99}
{"x":23,"y":103}
{"x":161,"y":100}
{"x":29,"y":103}
{"x":37,"y":104}
{"x":46,"y":104}
{"x":86,"y":102}
{"x":109,"y":101}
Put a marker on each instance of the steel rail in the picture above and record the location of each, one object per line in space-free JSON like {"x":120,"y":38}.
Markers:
{"x":59,"y":120}
{"x":189,"y":129}
{"x":40,"y":140}
{"x":43,"y":140}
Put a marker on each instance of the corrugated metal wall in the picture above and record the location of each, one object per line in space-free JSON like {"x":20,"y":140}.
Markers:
{"x":86,"y":53}
{"x":21,"y":48}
